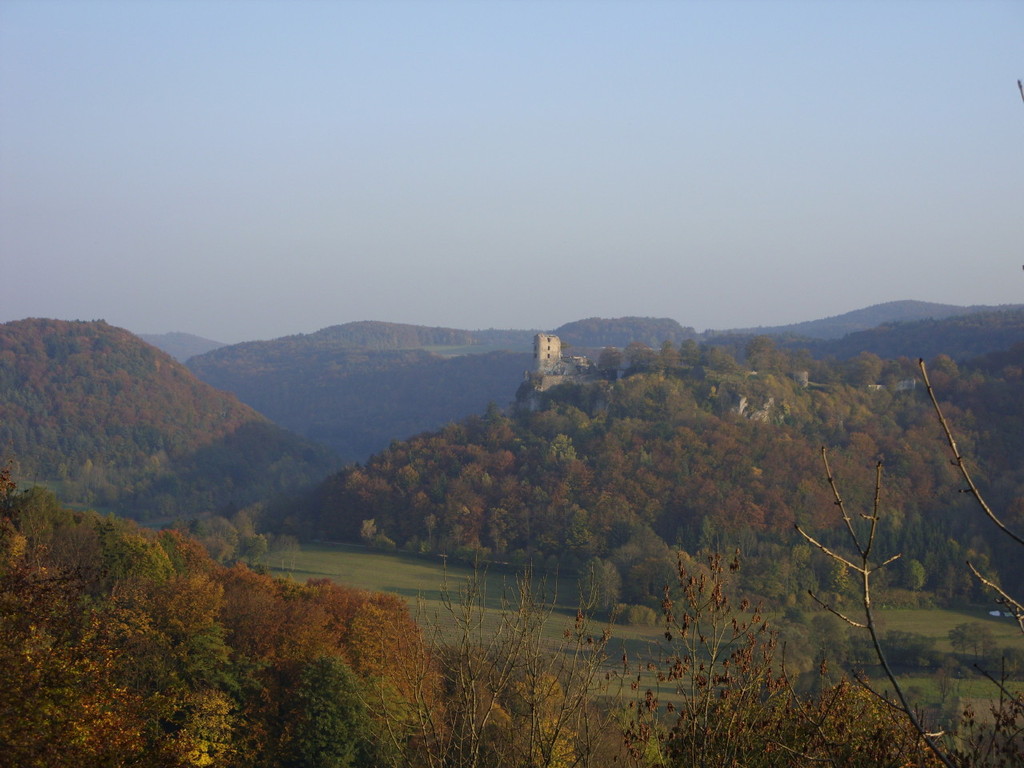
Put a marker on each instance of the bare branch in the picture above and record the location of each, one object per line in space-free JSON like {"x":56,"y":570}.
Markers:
{"x":960,"y":463}
{"x":837,"y":557}
{"x":874,"y":511}
{"x":892,"y":559}
{"x":834,"y":612}
{"x":865,"y":570}
{"x":1000,"y":684}
{"x":1004,"y":598}
{"x":865,"y":683}
{"x":839,"y":499}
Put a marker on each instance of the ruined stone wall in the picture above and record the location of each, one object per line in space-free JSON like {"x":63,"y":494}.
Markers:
{"x":547,"y":352}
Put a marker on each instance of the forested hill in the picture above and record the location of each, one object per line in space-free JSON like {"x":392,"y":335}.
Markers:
{"x":117,"y":423}
{"x":361,"y":335}
{"x":890,"y":312}
{"x":962,"y":337}
{"x":180,"y":346}
{"x":698,"y":451}
{"x":357,"y":387}
{"x":597,"y":332}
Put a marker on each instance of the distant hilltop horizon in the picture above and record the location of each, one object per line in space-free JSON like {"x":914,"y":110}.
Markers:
{"x":587,"y":332}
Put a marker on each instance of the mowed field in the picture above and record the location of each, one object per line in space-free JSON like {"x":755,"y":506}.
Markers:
{"x":936,"y":622}
{"x":418,"y":579}
{"x":423,"y":581}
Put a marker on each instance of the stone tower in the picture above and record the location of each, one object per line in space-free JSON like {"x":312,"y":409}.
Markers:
{"x":547,"y":352}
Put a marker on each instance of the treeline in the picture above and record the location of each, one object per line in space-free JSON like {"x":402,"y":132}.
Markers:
{"x":693,"y":450}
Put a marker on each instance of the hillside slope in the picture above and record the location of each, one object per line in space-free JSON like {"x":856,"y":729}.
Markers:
{"x":704,"y":453}
{"x":180,"y":346}
{"x":962,"y":337}
{"x":357,"y":387}
{"x":367,"y":334}
{"x":596,"y":332}
{"x":115,"y":422}
{"x":837,"y":326}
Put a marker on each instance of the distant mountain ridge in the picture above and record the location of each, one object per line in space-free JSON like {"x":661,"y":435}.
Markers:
{"x":358,"y":386}
{"x":180,"y":346}
{"x":837,"y":326}
{"x":120,"y":423}
{"x":596,"y":332}
{"x":592,"y":332}
{"x":961,"y":336}
{"x":115,"y":422}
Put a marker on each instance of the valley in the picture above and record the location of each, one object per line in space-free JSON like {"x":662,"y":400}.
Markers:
{"x":662,"y":484}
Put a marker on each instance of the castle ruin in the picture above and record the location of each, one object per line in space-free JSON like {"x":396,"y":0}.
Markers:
{"x":551,"y":367}
{"x":547,"y":353}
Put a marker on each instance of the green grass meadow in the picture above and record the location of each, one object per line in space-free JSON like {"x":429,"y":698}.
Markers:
{"x":936,"y":622}
{"x":417,"y":579}
{"x":422,"y":581}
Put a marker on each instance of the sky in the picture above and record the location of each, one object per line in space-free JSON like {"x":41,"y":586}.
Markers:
{"x":249,"y":169}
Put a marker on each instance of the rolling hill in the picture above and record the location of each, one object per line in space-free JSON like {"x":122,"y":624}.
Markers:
{"x":703,"y":453}
{"x":357,"y":387}
{"x":180,"y":346}
{"x":597,"y":332}
{"x":837,"y":326}
{"x":960,"y":336}
{"x":115,"y":422}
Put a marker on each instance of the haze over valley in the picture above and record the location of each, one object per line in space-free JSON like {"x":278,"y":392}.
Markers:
{"x":483,"y":384}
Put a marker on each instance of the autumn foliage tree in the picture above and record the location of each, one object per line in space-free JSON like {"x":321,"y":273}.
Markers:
{"x":120,"y":646}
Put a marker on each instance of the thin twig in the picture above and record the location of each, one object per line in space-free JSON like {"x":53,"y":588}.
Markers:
{"x":1017,"y":697}
{"x":1018,"y":609}
{"x":827,"y":551}
{"x":874,"y":512}
{"x":865,"y":570}
{"x":960,"y":463}
{"x":839,"y":498}
{"x":835,"y":612}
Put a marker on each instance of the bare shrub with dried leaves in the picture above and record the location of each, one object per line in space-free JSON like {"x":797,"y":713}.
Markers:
{"x":720,"y":697}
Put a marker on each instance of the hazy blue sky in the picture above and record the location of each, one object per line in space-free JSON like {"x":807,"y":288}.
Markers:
{"x":244,"y":169}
